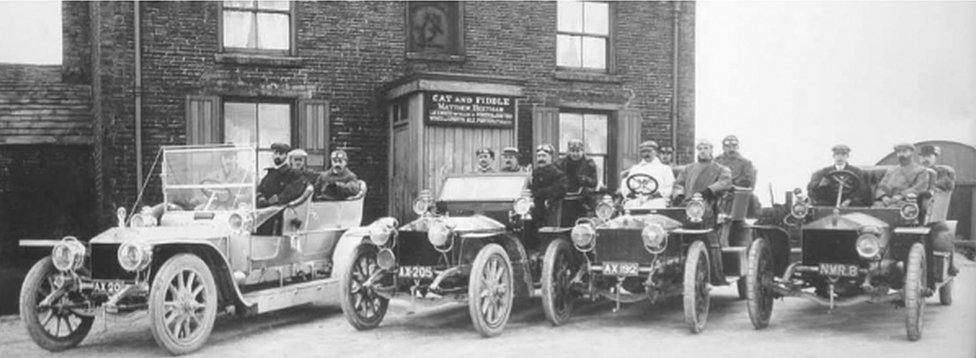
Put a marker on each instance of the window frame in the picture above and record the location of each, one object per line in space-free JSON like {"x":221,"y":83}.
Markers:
{"x":609,"y":56}
{"x":292,"y":32}
{"x":293,"y":137}
{"x":457,"y":55}
{"x":609,"y":156}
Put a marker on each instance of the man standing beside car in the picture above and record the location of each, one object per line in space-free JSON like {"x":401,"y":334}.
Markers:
{"x":905,"y":179}
{"x":548,"y":187}
{"x":703,"y":177}
{"x":823,"y":189}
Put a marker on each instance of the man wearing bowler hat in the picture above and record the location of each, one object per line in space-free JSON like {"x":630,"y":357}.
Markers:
{"x":823,"y":189}
{"x":908,"y":178}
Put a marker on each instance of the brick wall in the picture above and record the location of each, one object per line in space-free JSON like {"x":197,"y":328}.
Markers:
{"x":75,"y":42}
{"x":349,"y":50}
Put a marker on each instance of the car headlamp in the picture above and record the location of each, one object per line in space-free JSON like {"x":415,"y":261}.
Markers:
{"x":235,"y":221}
{"x":605,"y":211}
{"x":654,"y":238}
{"x":422,"y":204}
{"x":868,"y":245}
{"x":695,"y":211}
{"x":142,"y":220}
{"x":584,"y":236}
{"x":381,"y":231}
{"x":134,"y":256}
{"x":68,"y":255}
{"x":522,"y":205}
{"x":799,"y":210}
{"x":909,"y":211}
{"x":439,"y":234}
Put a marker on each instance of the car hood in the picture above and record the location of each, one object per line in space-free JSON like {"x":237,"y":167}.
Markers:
{"x":462,"y":224}
{"x":159,"y":234}
{"x":640,"y":221}
{"x":849,"y":221}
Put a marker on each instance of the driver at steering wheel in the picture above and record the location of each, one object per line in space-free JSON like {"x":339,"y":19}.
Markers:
{"x":823,"y":186}
{"x":651,"y":166}
{"x":224,"y":198}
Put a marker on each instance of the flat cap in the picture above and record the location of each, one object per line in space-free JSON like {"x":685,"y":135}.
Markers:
{"x":575,"y":143}
{"x":510,"y":150}
{"x":280,"y":147}
{"x":704,"y":142}
{"x":546,"y":148}
{"x":930,"y":150}
{"x":841,"y":149}
{"x":648,"y":144}
{"x":901,"y":146}
{"x":298,"y":153}
{"x":339,"y":154}
{"x":485,"y":150}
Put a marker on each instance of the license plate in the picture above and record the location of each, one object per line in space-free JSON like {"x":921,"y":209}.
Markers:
{"x":840,"y":270}
{"x":620,"y":268}
{"x":108,"y":286}
{"x":416,"y":272}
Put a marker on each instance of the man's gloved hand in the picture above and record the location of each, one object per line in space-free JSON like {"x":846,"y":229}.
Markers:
{"x":707,"y":194}
{"x":886,"y":200}
{"x":262,"y":201}
{"x":823,"y":182}
{"x":273,"y":200}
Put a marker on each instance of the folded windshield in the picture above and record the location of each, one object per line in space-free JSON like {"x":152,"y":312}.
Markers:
{"x":209,"y":179}
{"x":494,"y":187}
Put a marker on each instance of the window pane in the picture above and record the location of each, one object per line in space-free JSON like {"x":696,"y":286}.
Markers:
{"x":273,"y":5}
{"x":239,"y":4}
{"x":569,"y":16}
{"x":273,"y":31}
{"x":596,"y":17}
{"x":240,"y":123}
{"x":595,"y":133}
{"x":264,"y":161}
{"x":238,"y":29}
{"x":570,"y":127}
{"x":274,"y":124}
{"x":568,"y":51}
{"x":594,"y":52}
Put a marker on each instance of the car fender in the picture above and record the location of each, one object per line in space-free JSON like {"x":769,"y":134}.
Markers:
{"x":473,"y":243}
{"x":344,"y":249}
{"x":779,"y":244}
{"x":218,"y":264}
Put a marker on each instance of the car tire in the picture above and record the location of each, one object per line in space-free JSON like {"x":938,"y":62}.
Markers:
{"x":696,"y":286}
{"x":490,"y":290}
{"x":362,"y":306}
{"x":758,"y":280}
{"x":914,"y":291}
{"x":945,"y":294}
{"x":37,"y":285}
{"x":183,"y":292}
{"x":557,"y":271}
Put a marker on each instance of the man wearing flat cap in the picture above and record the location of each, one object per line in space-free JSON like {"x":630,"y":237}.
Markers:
{"x":580,"y":171}
{"x":823,"y":189}
{"x":337,"y":183}
{"x":943,"y":176}
{"x":704,"y":176}
{"x":898,"y":182}
{"x":486,"y":160}
{"x":942,"y":182}
{"x":548,"y":187}
{"x":743,"y":172}
{"x":650,"y":165}
{"x":277,"y":178}
{"x":510,"y":161}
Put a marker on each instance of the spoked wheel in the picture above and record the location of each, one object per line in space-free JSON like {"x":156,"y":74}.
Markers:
{"x":490,"y":290}
{"x":182,"y":304}
{"x":759,"y":282}
{"x":557,"y":272}
{"x":914,"y":291}
{"x":57,"y":327}
{"x":363,"y":307}
{"x":697,"y":277}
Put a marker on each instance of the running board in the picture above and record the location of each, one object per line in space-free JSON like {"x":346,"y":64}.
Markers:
{"x":292,"y":295}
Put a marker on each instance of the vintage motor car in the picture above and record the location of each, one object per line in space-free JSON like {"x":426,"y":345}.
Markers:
{"x":188,"y":258}
{"x":850,"y":255}
{"x":468,"y":244}
{"x":647,"y":252}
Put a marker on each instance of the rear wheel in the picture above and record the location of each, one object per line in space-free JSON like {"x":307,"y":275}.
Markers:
{"x":363,"y":307}
{"x":696,"y":295}
{"x":557,"y":272}
{"x":182,"y":304}
{"x":914,"y":292}
{"x":54,"y":328}
{"x":490,"y":291}
{"x":759,"y":281}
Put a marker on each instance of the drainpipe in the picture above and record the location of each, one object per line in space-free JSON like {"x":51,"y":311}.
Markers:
{"x":136,"y":24}
{"x":674,"y":79}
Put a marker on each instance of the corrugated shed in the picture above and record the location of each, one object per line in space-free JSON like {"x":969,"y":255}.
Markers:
{"x":37,"y":108}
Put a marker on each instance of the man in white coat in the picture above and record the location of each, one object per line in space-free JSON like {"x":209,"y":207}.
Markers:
{"x":652,"y":166}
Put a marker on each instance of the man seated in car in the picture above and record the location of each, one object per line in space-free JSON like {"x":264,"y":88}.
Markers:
{"x":337,"y":183}
{"x":823,"y":189}
{"x":704,"y":177}
{"x":486,"y":160}
{"x":222,"y":196}
{"x":548,"y":187}
{"x":908,"y":178}
{"x":942,"y":180}
{"x":278,"y":178}
{"x":580,"y":172}
{"x":743,"y":171}
{"x":652,"y":166}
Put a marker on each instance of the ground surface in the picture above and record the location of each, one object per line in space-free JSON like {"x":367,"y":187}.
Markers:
{"x":799,"y":328}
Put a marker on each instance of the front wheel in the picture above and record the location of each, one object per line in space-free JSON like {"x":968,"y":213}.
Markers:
{"x":914,"y":288}
{"x":363,"y":307}
{"x":557,"y":273}
{"x":759,"y":282}
{"x":57,"y":327}
{"x":696,"y":296}
{"x":182,"y":304}
{"x":490,"y":290}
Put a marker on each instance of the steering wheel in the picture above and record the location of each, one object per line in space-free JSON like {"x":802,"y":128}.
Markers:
{"x":846,"y":181}
{"x":212,"y":193}
{"x":642,"y":184}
